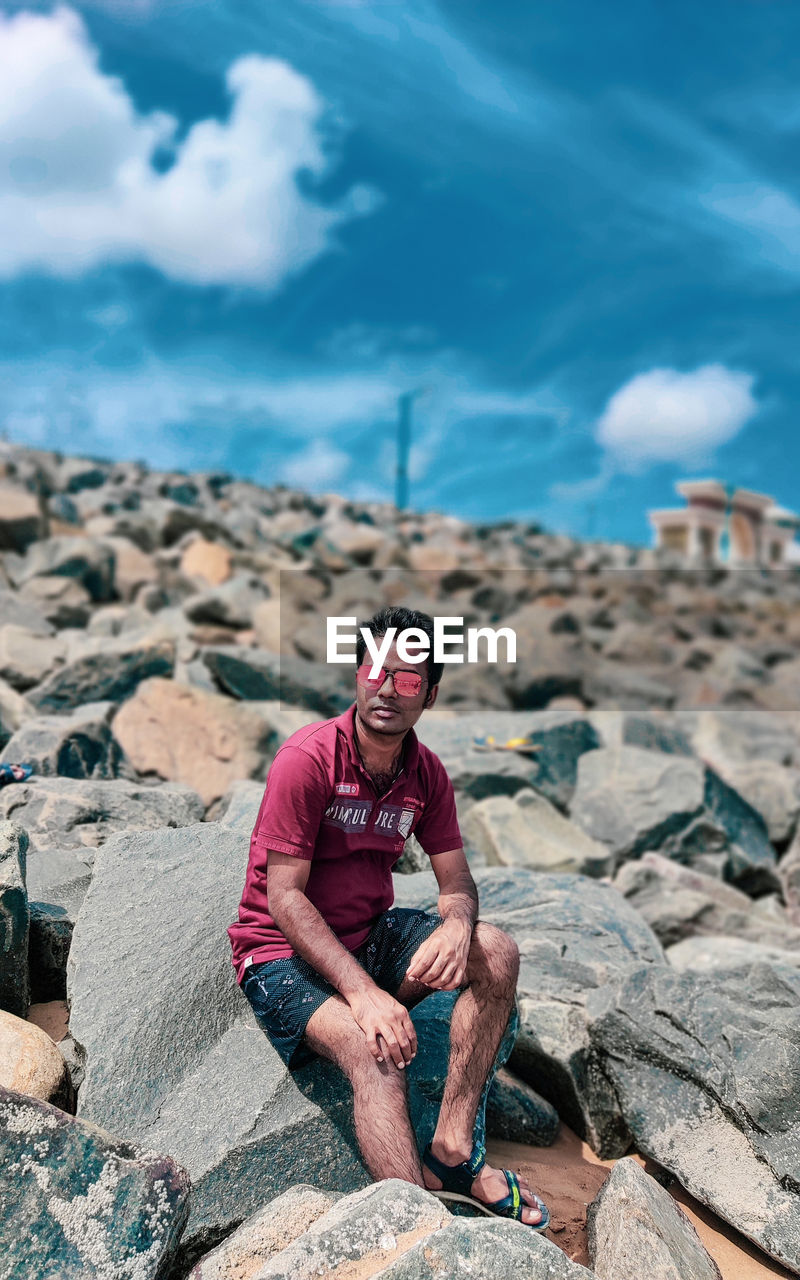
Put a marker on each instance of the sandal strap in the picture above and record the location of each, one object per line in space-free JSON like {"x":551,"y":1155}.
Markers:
{"x":457,"y":1177}
{"x":512,"y":1205}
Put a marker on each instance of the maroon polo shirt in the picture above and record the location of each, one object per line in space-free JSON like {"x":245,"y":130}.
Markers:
{"x":320,"y":804}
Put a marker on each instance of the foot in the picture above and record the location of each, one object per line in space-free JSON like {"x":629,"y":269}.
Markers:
{"x":489,"y":1186}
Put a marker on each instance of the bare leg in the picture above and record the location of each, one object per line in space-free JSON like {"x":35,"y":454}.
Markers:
{"x":380,"y":1108}
{"x":479,"y":1019}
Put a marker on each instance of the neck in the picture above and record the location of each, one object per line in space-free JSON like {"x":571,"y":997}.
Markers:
{"x":378,"y":751}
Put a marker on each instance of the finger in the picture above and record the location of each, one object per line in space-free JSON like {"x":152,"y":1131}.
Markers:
{"x":393,"y":1049}
{"x":428,"y":964}
{"x":374,"y":1046}
{"x":437,"y":968}
{"x":411,"y":1032}
{"x":419,"y":961}
{"x":403,"y":1041}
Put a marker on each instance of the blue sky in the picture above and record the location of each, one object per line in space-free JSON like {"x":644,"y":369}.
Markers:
{"x":231,"y":234}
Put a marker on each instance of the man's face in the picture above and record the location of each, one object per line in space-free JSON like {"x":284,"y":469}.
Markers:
{"x":383,"y":710}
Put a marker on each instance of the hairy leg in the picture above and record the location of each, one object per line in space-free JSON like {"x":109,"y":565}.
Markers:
{"x":479,"y":1019}
{"x":380,"y":1108}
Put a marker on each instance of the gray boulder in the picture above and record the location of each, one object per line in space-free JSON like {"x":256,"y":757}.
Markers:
{"x":771,"y":789}
{"x":14,"y":921}
{"x":636,"y":1229}
{"x":78,"y":745}
{"x":267,"y":1232}
{"x":528,"y":831}
{"x":231,"y":604}
{"x":79,"y":814}
{"x":21,"y":520}
{"x":109,"y":675}
{"x":18,"y":611}
{"x":87,"y":560}
{"x":721,"y":954}
{"x":575,"y":936}
{"x":84,"y":1206}
{"x":633,"y":800}
{"x":48,"y":948}
{"x":27,"y":657}
{"x":491,"y":1249}
{"x":245,"y":1141}
{"x":360,"y":1233}
{"x":254,"y":674}
{"x":679,"y":902}
{"x":64,"y":602}
{"x":706,"y":1070}
{"x":560,"y":738}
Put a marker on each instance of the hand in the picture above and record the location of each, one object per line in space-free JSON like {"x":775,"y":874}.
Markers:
{"x":441,"y":961}
{"x":387,"y":1025}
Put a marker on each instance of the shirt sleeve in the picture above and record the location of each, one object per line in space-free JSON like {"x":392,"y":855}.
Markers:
{"x":437,"y":830}
{"x":293,"y":804}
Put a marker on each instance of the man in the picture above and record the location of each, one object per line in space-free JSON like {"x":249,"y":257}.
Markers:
{"x":331,"y":969}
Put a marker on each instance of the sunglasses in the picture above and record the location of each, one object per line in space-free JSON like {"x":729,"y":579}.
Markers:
{"x":406,"y":683}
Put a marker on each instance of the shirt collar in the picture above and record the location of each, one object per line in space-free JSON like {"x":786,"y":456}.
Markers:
{"x":346,"y":724}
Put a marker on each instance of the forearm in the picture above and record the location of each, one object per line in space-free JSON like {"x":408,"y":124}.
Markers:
{"x":459,"y":902}
{"x":305,"y":930}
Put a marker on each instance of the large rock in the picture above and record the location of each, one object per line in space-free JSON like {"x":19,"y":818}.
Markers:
{"x":636,"y":1229}
{"x":255,"y":675}
{"x":231,"y":604}
{"x":492,"y":1249}
{"x":14,"y":921}
{"x":21,"y":612}
{"x":204,"y":1085}
{"x":528,"y":831}
{"x":724,"y":953}
{"x":26,"y":657}
{"x":706,"y":1070}
{"x":108,"y":675}
{"x":79,"y":814}
{"x":634,"y":800}
{"x":79,"y":745}
{"x":31,"y":1064}
{"x":726,"y":736}
{"x":88,"y":560}
{"x":575,"y":936}
{"x":20,"y":518}
{"x":84,"y":1206}
{"x":559,"y":737}
{"x":206,"y":560}
{"x":679,"y":902}
{"x":14,"y":710}
{"x":264,"y":1233}
{"x":360,"y":1233}
{"x":49,"y":943}
{"x":771,"y":789}
{"x":64,"y":602}
{"x":188,"y":735}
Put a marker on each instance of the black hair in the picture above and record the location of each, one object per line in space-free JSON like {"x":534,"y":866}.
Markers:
{"x":400,"y":618}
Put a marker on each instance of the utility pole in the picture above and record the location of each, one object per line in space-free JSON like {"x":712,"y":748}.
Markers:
{"x":404,"y":403}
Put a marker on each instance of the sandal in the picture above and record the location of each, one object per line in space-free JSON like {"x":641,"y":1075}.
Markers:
{"x":14,"y":773}
{"x":457,"y":1179}
{"x":487,"y":742}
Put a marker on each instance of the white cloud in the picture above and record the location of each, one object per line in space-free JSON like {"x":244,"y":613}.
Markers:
{"x":668,"y":416}
{"x":320,"y":466}
{"x":78,"y":187}
{"x":766,"y":212}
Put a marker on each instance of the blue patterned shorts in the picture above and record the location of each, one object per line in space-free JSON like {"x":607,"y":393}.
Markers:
{"x":285,"y":993}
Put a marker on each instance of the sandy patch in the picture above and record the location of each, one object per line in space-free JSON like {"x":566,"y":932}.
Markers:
{"x":568,"y":1176}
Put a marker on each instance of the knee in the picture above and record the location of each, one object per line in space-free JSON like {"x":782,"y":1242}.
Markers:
{"x":364,"y":1071}
{"x":493,"y":957}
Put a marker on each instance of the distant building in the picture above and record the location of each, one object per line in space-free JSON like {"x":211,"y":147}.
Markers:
{"x":723,"y":525}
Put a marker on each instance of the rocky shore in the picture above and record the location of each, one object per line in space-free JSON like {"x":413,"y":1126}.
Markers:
{"x":160,"y":636}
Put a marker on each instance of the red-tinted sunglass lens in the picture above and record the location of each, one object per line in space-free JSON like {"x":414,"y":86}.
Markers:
{"x":362,"y":676}
{"x":407,"y":684}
